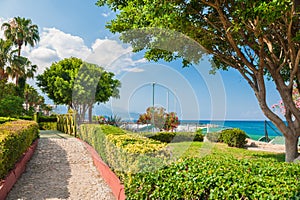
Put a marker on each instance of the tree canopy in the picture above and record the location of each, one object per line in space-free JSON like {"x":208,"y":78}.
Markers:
{"x":257,"y":38}
{"x":78,"y":85}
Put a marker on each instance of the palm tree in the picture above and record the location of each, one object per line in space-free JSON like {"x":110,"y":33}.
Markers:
{"x":21,"y":68}
{"x":21,"y":31}
{"x":7,"y":55}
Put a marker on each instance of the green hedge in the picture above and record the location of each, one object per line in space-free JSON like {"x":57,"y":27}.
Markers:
{"x":67,"y":124}
{"x":48,"y":125}
{"x":234,"y":137}
{"x":168,"y":137}
{"x":15,"y":138}
{"x":6,"y":119}
{"x":52,"y":118}
{"x":26,"y":117}
{"x":218,"y":178}
{"x":125,"y":153}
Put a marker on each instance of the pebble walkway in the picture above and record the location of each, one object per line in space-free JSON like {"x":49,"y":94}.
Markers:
{"x":61,"y":168}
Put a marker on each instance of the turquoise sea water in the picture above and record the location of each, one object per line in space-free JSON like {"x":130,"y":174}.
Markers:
{"x":254,"y":129}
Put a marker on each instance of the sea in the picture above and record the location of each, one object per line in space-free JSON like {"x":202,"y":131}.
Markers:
{"x":254,"y":129}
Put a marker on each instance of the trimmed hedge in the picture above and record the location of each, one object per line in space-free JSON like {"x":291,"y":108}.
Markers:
{"x":168,"y":137}
{"x":125,"y":153}
{"x":218,"y":178}
{"x":48,"y":125}
{"x":6,"y":119}
{"x":52,"y":118}
{"x":26,"y":117}
{"x":15,"y":138}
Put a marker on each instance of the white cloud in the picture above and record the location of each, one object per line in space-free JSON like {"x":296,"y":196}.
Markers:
{"x":114,"y":56}
{"x":55,"y":45}
{"x":106,"y":14}
{"x":2,"y":20}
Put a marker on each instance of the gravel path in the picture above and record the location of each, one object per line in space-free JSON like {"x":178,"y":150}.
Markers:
{"x":60,"y":169}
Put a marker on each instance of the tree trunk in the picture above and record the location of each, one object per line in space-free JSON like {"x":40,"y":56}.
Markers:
{"x":291,"y":148}
{"x":90,"y":113}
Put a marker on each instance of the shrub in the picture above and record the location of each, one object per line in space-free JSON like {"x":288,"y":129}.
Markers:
{"x":234,"y":137}
{"x":124,"y":153}
{"x":26,"y":117}
{"x":218,"y":178}
{"x":48,"y":125}
{"x":52,"y":118}
{"x":15,"y":138}
{"x":168,"y":137}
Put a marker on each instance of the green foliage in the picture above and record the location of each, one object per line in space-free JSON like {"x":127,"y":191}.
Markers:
{"x":11,"y":106}
{"x":32,"y":99}
{"x":52,"y":118}
{"x":26,"y":117}
{"x":6,"y":119}
{"x":67,"y":123}
{"x":234,"y":137}
{"x":249,"y":36}
{"x":57,"y":81}
{"x":114,"y":120}
{"x":48,"y":125}
{"x":15,"y":138}
{"x":74,"y":83}
{"x":222,"y":178}
{"x":169,"y":137}
{"x":159,"y":118}
{"x":125,"y":153}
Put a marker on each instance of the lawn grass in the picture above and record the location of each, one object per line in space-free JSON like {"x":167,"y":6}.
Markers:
{"x":199,"y":149}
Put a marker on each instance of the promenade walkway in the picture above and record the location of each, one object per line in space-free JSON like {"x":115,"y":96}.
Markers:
{"x":61,"y":168}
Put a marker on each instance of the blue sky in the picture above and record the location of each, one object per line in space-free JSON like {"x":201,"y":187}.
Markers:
{"x":77,"y":28}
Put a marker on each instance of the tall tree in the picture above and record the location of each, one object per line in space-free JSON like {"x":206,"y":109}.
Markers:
{"x":32,"y":98}
{"x":6,"y":56}
{"x":20,"y":69}
{"x":78,"y":85}
{"x":257,"y":38}
{"x":21,"y":31}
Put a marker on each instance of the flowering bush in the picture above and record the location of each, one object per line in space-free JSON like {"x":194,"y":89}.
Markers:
{"x":159,"y":118}
{"x":101,"y":120}
{"x":296,"y":99}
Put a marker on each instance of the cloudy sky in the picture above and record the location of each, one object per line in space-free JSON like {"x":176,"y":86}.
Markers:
{"x":77,"y":28}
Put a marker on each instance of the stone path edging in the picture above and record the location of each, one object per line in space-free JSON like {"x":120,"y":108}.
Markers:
{"x":12,"y":177}
{"x":111,"y":179}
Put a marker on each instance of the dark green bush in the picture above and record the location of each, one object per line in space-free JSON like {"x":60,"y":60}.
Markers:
{"x":15,"y":138}
{"x":218,"y":178}
{"x":52,"y":118}
{"x":48,"y":125}
{"x":234,"y":137}
{"x":168,"y":137}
